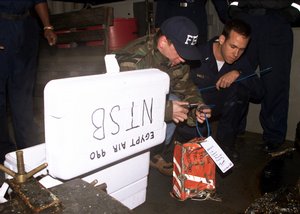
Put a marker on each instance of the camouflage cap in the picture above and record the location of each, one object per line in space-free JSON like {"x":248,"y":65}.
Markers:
{"x":183,"y":33}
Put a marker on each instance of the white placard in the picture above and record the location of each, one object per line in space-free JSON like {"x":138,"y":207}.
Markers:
{"x":217,"y":154}
{"x":92,"y":121}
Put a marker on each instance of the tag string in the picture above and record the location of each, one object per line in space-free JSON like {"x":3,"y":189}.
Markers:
{"x":207,"y":125}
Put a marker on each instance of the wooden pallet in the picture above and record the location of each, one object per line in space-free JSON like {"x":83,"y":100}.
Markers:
{"x":86,"y":26}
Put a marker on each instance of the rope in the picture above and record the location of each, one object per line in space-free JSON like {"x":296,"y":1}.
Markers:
{"x":205,"y":195}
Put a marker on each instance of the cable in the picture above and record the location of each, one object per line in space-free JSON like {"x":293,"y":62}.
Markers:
{"x":207,"y":124}
{"x":239,"y":79}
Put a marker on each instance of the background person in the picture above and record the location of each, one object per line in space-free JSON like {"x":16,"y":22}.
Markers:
{"x":195,"y":10}
{"x":271,"y":46}
{"x":19,"y":39}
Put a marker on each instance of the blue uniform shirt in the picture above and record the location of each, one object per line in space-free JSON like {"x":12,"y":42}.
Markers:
{"x":207,"y":75}
{"x":17,"y":7}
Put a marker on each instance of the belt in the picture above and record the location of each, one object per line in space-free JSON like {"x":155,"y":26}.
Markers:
{"x":262,"y":11}
{"x":14,"y":17}
{"x":183,"y":4}
{"x":257,"y":11}
{"x":186,"y":4}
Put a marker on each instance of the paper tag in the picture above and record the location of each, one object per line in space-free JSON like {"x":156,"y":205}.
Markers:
{"x":217,"y":154}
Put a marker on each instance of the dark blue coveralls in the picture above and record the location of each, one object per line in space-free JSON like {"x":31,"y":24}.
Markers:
{"x":271,"y":46}
{"x":192,"y":9}
{"x":19,"y":34}
{"x":230,"y":103}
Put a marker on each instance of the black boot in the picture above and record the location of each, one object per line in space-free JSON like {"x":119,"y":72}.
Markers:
{"x":232,"y":153}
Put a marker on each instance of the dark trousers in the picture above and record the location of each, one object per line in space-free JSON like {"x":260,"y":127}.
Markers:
{"x":18,"y":63}
{"x":271,"y":46}
{"x":194,"y":11}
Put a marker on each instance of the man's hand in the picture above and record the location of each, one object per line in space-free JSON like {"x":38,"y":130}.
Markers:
{"x":1,"y":47}
{"x":203,"y":112}
{"x":227,"y":79}
{"x":179,"y":111}
{"x":50,"y":36}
